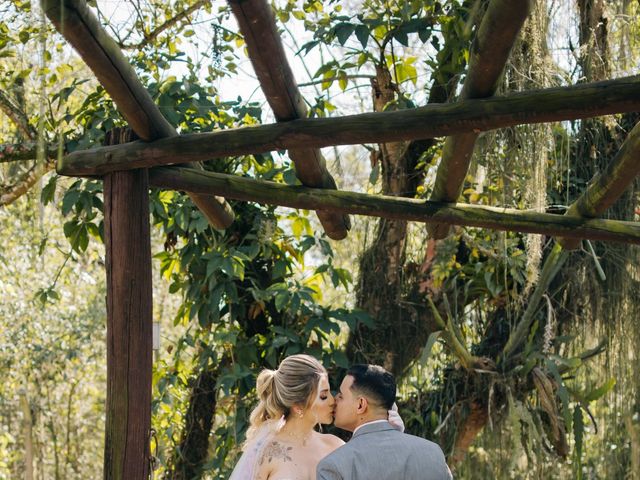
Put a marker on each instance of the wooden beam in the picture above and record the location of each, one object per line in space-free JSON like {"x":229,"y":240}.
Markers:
{"x":609,"y":185}
{"x":129,"y":325}
{"x":257,"y":25}
{"x":537,"y":106}
{"x":74,"y":20}
{"x":242,"y":188}
{"x":488,"y":56}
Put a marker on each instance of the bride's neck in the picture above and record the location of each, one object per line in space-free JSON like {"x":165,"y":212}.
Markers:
{"x":301,"y":427}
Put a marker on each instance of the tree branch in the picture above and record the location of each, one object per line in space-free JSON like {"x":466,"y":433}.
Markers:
{"x":24,"y":184}
{"x":11,"y":109}
{"x":333,"y":79}
{"x":19,"y":152}
{"x":150,"y":37}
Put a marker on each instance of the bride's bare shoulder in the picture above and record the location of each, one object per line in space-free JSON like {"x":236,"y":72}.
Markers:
{"x":331,"y":441}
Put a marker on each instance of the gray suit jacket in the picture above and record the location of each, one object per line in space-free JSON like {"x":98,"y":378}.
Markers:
{"x":380,"y":452}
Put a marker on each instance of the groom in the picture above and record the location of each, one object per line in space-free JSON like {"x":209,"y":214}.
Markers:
{"x":377,"y":450}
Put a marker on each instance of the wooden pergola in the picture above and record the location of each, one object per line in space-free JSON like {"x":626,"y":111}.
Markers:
{"x":128,"y":169}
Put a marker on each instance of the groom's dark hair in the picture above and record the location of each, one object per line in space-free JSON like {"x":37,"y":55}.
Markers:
{"x":375,"y":383}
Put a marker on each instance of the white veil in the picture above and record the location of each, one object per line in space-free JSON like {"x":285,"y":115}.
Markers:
{"x":247,"y":466}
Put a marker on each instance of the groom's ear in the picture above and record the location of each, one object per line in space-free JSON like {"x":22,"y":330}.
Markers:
{"x":363,"y":405}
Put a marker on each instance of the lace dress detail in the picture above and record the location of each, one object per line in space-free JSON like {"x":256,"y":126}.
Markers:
{"x":247,"y":466}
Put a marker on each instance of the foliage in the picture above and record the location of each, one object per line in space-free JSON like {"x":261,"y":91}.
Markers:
{"x":51,"y":346}
{"x":248,"y":296}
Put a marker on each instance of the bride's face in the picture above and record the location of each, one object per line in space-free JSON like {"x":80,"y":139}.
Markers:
{"x":322,"y":406}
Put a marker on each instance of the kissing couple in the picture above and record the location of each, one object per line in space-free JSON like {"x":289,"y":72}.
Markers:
{"x":282,"y":443}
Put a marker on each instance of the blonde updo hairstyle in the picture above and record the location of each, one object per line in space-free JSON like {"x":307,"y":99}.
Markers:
{"x":295,"y":382}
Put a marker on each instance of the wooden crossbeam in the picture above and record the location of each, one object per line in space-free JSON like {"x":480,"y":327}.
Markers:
{"x":488,"y":56}
{"x":257,"y":25}
{"x":80,"y":27}
{"x":246,"y":189}
{"x":609,"y":185}
{"x":536,"y":106}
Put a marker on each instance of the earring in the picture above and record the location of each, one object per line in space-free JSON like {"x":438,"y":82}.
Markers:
{"x":300,"y":414}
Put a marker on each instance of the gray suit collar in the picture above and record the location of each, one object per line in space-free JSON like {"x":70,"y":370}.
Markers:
{"x":372,"y":428}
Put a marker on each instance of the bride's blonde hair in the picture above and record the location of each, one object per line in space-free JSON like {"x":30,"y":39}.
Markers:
{"x":295,"y":382}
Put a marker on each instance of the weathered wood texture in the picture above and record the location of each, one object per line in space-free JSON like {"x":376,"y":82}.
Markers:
{"x":609,"y":185}
{"x":246,"y":189}
{"x":488,"y":56}
{"x":536,"y":106}
{"x":257,"y":25}
{"x":129,"y":325}
{"x":74,"y":20}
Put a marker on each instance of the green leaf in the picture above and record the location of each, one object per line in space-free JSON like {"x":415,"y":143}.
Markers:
{"x":375,"y":174}
{"x":298,"y":14}
{"x":563,"y":394}
{"x":362,"y":34}
{"x":48,"y":192}
{"x":24,"y":36}
{"x":307,"y":47}
{"x":344,"y":31}
{"x":227,"y":266}
{"x":402,"y":37}
{"x":289,"y":177}
{"x":578,"y":435}
{"x":69,"y":200}
{"x":203,"y":315}
{"x":82,"y":239}
{"x":281,"y":300}
{"x":280,"y":341}
{"x":340,"y":358}
{"x":70,"y":229}
{"x":297,"y":226}
{"x":406,"y":71}
{"x":342,"y":80}
{"x":424,"y":34}
{"x":426,"y":351}
{"x":600,"y":391}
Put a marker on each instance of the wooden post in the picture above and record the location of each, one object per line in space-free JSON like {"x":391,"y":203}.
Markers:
{"x":129,"y":329}
{"x":488,"y":56}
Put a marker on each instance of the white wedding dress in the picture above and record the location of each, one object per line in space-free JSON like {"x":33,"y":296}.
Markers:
{"x":247,"y":466}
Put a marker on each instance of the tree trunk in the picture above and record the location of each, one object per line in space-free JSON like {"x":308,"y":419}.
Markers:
{"x":191,"y":454}
{"x":27,"y":421}
{"x":468,"y":429}
{"x":391,"y":291}
{"x":380,"y":288}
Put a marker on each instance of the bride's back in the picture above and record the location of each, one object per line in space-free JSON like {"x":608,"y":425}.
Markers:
{"x":287,"y":458}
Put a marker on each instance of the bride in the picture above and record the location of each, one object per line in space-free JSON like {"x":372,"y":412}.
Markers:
{"x":281,"y":441}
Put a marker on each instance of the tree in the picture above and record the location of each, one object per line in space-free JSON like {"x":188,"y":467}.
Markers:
{"x":440,"y":313}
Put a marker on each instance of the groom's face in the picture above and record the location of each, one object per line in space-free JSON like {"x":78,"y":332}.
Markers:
{"x":346,"y":416}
